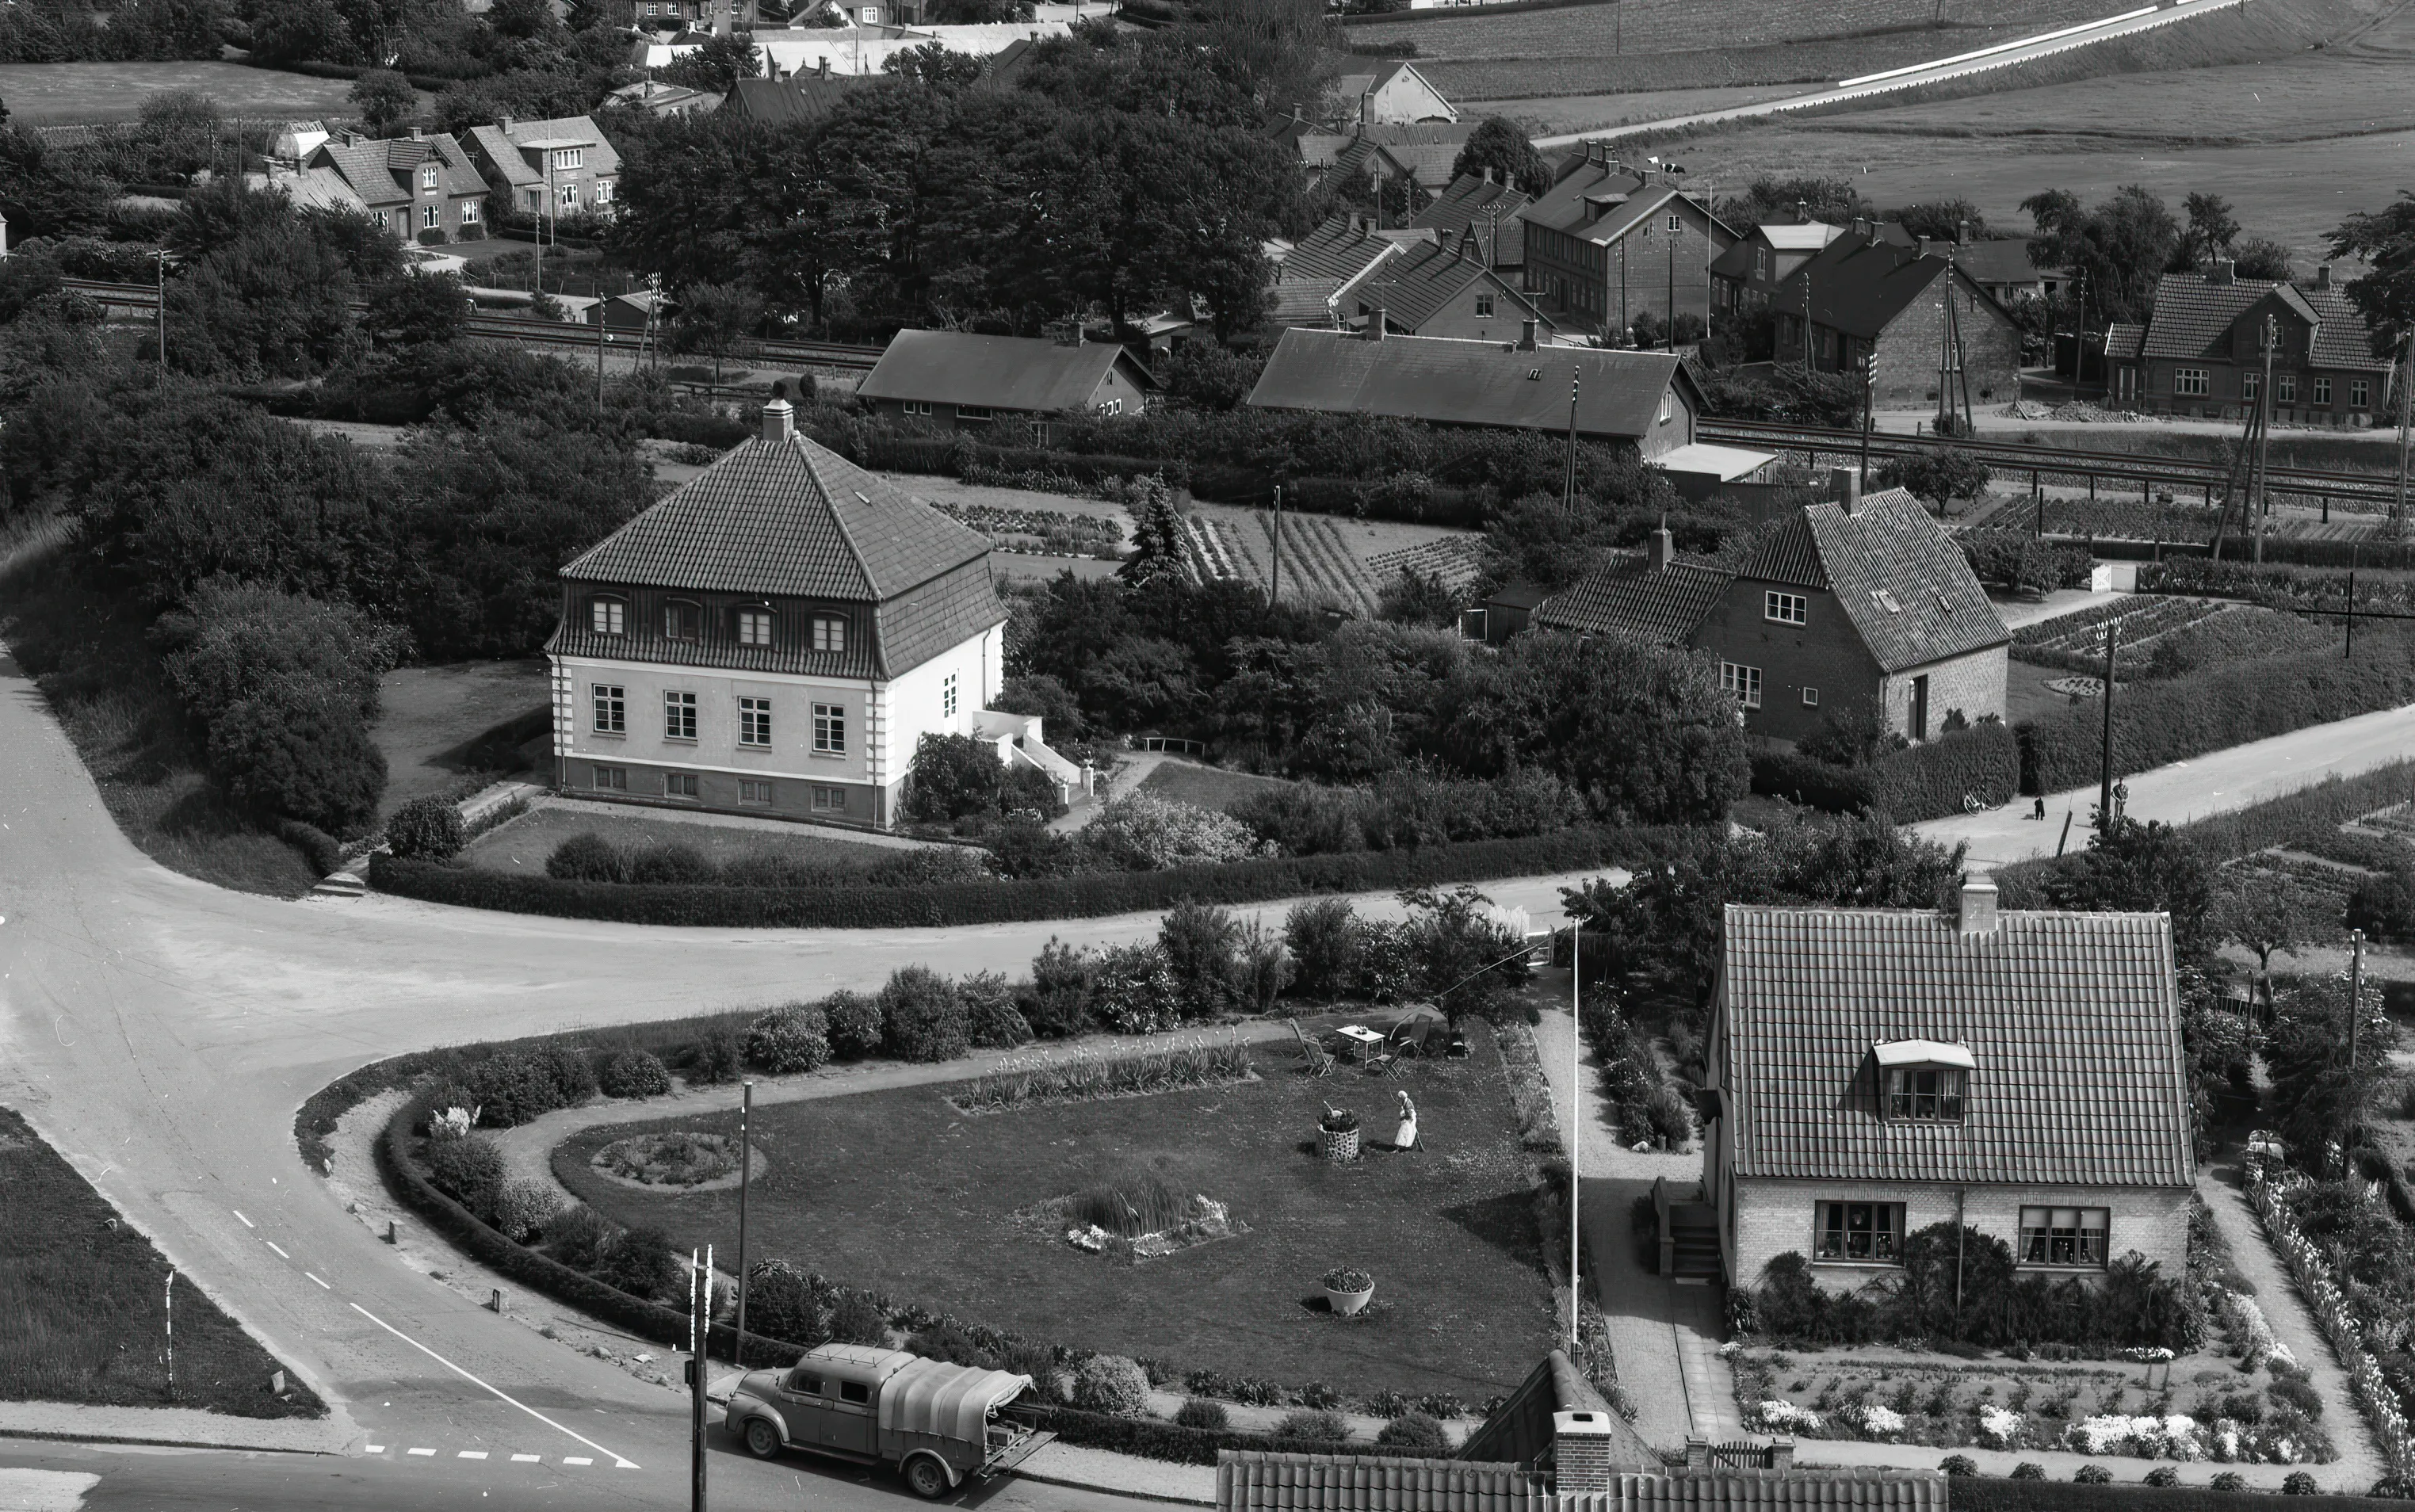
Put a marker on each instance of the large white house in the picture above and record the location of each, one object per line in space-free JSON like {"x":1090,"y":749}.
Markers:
{"x":774,"y":637}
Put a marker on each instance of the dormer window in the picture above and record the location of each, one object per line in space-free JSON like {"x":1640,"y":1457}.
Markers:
{"x":428,"y":177}
{"x":683,"y":621}
{"x":830,"y":632}
{"x":607,"y":616}
{"x":754,"y":627}
{"x":1922,"y":1081}
{"x":568,"y":158}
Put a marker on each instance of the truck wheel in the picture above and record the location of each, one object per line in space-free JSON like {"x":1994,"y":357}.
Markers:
{"x":762,"y":1439}
{"x":925,"y":1477}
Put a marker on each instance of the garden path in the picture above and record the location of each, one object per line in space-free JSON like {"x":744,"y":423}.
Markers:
{"x":1666,"y":1337}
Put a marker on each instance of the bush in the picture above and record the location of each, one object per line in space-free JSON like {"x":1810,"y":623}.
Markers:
{"x":854,"y":1023}
{"x":992,"y":1021}
{"x":2299,"y":1483}
{"x":2029,"y":1470}
{"x":923,"y":1017}
{"x":427,"y":829}
{"x":1058,"y":1001}
{"x":469,"y":1171}
{"x":300,"y":750}
{"x":524,"y":1209}
{"x":1135,"y":992}
{"x":1415,"y":1430}
{"x":1314,"y":1427}
{"x":2092,"y":1475}
{"x":2228,"y":1480}
{"x":954,"y":904}
{"x":635,"y":1074}
{"x":1200,"y":945}
{"x":1200,"y":1412}
{"x":586,"y":857}
{"x":1111,"y":1384}
{"x":789,"y":1039}
{"x":2163,"y":1476}
{"x":1326,"y":945}
{"x":517,"y":1086}
{"x":641,"y":1262}
{"x":719,"y":1055}
{"x":577,"y":1234}
{"x":1958,"y":1466}
{"x":2017,"y":561}
{"x":2294,"y":1393}
{"x":857,"y":1320}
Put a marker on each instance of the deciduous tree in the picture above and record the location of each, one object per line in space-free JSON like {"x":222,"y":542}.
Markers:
{"x":1500,"y":144}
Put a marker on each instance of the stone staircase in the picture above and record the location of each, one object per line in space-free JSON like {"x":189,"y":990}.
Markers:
{"x":1689,"y":1233}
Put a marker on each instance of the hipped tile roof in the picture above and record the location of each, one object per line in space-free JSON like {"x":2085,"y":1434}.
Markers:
{"x":1888,"y":548}
{"x":1628,"y":597}
{"x":2193,"y":316}
{"x":1859,"y":284}
{"x":1254,"y":1481}
{"x":502,"y":147}
{"x":1344,"y":247}
{"x":2073,"y":1021}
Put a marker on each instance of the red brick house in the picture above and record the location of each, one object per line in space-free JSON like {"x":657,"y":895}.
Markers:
{"x":1874,"y":1072}
{"x":957,"y":379}
{"x":421,"y":188}
{"x":1607,"y":243}
{"x":2201,"y":353}
{"x":1747,"y":276}
{"x":1864,"y":603}
{"x":1868,"y":292}
{"x":1489,"y":210}
{"x":1443,"y":289}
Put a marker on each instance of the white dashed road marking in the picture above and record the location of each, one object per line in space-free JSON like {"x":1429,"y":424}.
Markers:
{"x":373,"y":1448}
{"x":472,"y":1454}
{"x":619,"y":1462}
{"x":423,"y":1451}
{"x":246,"y":1222}
{"x":273,"y":1245}
{"x":322,"y":1285}
{"x":577,"y":1459}
{"x":527,"y":1458}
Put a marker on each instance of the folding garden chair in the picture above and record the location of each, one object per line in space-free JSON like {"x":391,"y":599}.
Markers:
{"x":1318,"y":1061}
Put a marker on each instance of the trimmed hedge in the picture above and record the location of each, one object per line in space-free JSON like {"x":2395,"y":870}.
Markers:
{"x":1153,"y":1438}
{"x":2157,"y":723}
{"x":949,"y":903}
{"x":1813,"y":783}
{"x":1986,"y":1493}
{"x":2275,"y":583}
{"x":1929,"y":781}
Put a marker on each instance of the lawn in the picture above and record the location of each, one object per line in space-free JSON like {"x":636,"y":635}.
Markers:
{"x":73,"y":631}
{"x":52,"y":94}
{"x":82,"y":1304}
{"x":442,"y":728}
{"x":1208,"y":787}
{"x":897,"y":1191}
{"x":523,"y":845}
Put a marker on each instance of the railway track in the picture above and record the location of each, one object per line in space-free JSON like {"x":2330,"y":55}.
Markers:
{"x":2058,"y":463}
{"x":552,"y":336}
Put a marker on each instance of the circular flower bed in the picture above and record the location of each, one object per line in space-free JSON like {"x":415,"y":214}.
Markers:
{"x":681,"y":1159}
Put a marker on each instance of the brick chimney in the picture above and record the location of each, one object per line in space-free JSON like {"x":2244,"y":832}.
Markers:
{"x":1920,"y":247}
{"x":1849,"y":489}
{"x":504,"y":124}
{"x":1962,"y":233}
{"x":1367,"y":109}
{"x":1526,"y":336}
{"x":2225,"y":270}
{"x":779,"y":416}
{"x":1580,"y":1448}
{"x":2322,"y":275}
{"x":417,"y":134}
{"x":1375,"y":331}
{"x":824,"y":70}
{"x":1664,"y":549}
{"x":1488,"y":172}
{"x":1978,"y":904}
{"x":1861,"y":226}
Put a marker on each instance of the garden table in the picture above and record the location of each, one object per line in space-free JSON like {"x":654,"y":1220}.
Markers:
{"x":1363,"y":1041}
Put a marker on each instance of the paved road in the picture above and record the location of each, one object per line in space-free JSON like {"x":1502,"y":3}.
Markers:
{"x":2186,"y":790}
{"x":161,"y":1032}
{"x":1959,"y":66}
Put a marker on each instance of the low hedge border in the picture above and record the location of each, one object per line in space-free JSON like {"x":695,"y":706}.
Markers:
{"x":1153,"y":1438}
{"x":949,"y":903}
{"x":1924,"y":782}
{"x":1987,"y":1493}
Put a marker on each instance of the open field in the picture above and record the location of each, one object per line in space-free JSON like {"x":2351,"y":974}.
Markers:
{"x":1560,"y":114}
{"x":896,"y":1190}
{"x":523,"y":845}
{"x":440,"y":724}
{"x":52,"y":94}
{"x":1590,"y":67}
{"x":1211,"y":787}
{"x":2294,"y":143}
{"x":84,"y":1301}
{"x":1685,"y":25}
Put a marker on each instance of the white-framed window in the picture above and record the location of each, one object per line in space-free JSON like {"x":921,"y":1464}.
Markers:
{"x":2285,"y":389}
{"x":2322,"y":391}
{"x":2359,"y":391}
{"x":570,"y":196}
{"x":611,"y":708}
{"x":607,"y":616}
{"x":1926,"y":1094}
{"x":754,"y":627}
{"x":755,"y":792}
{"x":429,"y":216}
{"x":2250,"y":384}
{"x":1111,"y":407}
{"x":1484,"y":304}
{"x":469,"y":213}
{"x":1864,"y":1232}
{"x":1810,"y":697}
{"x":920,"y":407}
{"x":830,"y":729}
{"x":678,"y":784}
{"x":2189,"y":380}
{"x":683,"y":621}
{"x":830,"y":800}
{"x":755,"y":723}
{"x":568,"y":158}
{"x":1761,"y":262}
{"x":382,"y":220}
{"x":603,"y":191}
{"x":1785,"y":608}
{"x":830,"y":632}
{"x":1676,"y":222}
{"x":679,"y":716}
{"x":535,"y":202}
{"x":612,"y":779}
{"x":1667,"y":407}
{"x":1743,"y":681}
{"x":2073,"y":1236}
{"x":428,"y":178}
{"x":948,"y":697}
{"x":973,"y":411}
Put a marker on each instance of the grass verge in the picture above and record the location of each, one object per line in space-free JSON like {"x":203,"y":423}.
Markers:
{"x":83,"y":1299}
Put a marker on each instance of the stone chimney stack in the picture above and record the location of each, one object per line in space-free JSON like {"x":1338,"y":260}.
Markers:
{"x":1978,"y":908}
{"x":1580,"y":1448}
{"x":779,"y":416}
{"x":2225,"y":270}
{"x":1375,"y":331}
{"x":1849,"y":489}
{"x":1664,"y":549}
{"x":2322,"y":275}
{"x":504,"y":124}
{"x":1526,"y":336}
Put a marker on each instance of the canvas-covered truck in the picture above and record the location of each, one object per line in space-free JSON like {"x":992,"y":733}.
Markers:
{"x":937,"y":1423}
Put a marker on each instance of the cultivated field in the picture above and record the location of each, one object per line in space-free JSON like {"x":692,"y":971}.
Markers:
{"x":52,"y":94}
{"x":900,"y":1192}
{"x":1328,"y":561}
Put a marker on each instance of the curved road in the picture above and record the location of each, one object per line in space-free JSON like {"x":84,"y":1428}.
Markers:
{"x":161,"y":1032}
{"x":1957,"y":66}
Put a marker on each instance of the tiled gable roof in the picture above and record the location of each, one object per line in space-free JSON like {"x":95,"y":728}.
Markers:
{"x":2193,"y":316}
{"x":2071,"y":1020}
{"x":1626,"y":597}
{"x":1428,"y":162}
{"x":1907,"y":588}
{"x":1467,"y":382}
{"x":1308,"y":301}
{"x":801,"y":97}
{"x":1859,"y":284}
{"x":2123,"y":341}
{"x":1004,"y":372}
{"x":1414,"y":287}
{"x":790,"y":518}
{"x":1339,"y":248}
{"x":502,"y":148}
{"x":1491,"y":209}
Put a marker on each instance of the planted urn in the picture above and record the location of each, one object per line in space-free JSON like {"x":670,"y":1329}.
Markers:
{"x":1348,"y":1289}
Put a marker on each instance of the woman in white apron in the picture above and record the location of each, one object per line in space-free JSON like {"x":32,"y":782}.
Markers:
{"x":1405,"y":1137}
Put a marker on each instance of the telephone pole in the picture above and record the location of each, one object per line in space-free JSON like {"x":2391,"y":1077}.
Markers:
{"x":745,"y":1169}
{"x":2264,"y":430}
{"x":2105,"y":771}
{"x":699,"y":1320}
{"x":1274,"y":584}
{"x":1568,"y":495}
